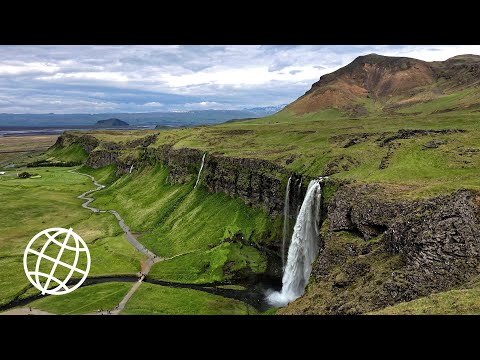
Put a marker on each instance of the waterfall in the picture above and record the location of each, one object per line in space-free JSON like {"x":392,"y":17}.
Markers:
{"x":299,"y":191}
{"x":286,"y":224}
{"x":303,"y":249}
{"x":131,"y":168}
{"x":201,"y":167}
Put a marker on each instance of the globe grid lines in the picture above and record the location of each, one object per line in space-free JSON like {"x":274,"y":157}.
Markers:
{"x":80,"y":246}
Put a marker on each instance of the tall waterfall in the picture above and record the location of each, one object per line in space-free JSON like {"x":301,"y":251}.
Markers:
{"x":286,"y":223}
{"x":303,"y":249}
{"x":201,"y":167}
{"x":131,"y":168}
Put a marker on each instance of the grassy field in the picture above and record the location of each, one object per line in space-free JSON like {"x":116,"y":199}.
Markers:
{"x":13,"y":147}
{"x":50,"y":201}
{"x":160,"y":300}
{"x":32,"y":205}
{"x":84,"y":300}
{"x":215,"y":265}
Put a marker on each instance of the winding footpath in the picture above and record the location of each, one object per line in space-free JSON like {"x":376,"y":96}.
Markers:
{"x":151,"y":257}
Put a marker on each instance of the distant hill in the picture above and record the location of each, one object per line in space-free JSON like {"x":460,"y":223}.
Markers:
{"x":376,"y":84}
{"x":167,"y":118}
{"x":108,"y":123}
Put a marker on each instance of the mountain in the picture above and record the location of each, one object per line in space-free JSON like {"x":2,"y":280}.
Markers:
{"x":108,"y":123}
{"x":267,"y":110}
{"x":376,"y":84}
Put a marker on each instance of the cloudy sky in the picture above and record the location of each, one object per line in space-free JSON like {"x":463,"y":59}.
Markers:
{"x":92,"y":79}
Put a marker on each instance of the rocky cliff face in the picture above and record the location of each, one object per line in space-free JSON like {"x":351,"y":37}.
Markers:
{"x":379,"y":251}
{"x":257,"y":182}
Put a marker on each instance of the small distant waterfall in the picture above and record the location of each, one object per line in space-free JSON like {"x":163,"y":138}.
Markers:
{"x":303,"y":249}
{"x":131,"y":168}
{"x":199,"y":173}
{"x":286,"y":222}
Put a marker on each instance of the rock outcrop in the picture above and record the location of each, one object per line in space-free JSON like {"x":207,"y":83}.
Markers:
{"x":87,"y":142}
{"x":378,"y":250}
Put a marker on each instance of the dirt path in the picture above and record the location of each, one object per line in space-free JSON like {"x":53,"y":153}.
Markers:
{"x":26,"y":311}
{"x":152,"y":258}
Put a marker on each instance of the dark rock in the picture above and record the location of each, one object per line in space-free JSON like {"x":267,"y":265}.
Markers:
{"x":434,"y":144}
{"x":100,"y":158}
{"x":411,"y":133}
{"x":339,"y":164}
{"x":439,"y":239}
{"x":356,"y":209}
{"x":427,"y":246}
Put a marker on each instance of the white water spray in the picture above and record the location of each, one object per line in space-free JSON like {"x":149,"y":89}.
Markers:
{"x":131,"y":168}
{"x":201,"y":167}
{"x":303,"y":249}
{"x":286,"y":223}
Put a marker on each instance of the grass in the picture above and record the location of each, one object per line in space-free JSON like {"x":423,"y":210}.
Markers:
{"x":73,"y":152}
{"x":32,"y":205}
{"x":453,"y":302}
{"x":19,"y":147}
{"x":175,"y":218}
{"x":105,"y":175}
{"x":84,"y":300}
{"x":215,"y":265}
{"x":160,"y":300}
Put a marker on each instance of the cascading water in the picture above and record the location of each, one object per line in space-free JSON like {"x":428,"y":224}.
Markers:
{"x":131,"y":168}
{"x":299,"y":190}
{"x":286,"y":223}
{"x":303,"y":249}
{"x":201,"y":167}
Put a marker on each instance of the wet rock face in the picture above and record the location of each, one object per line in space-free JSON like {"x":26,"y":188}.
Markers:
{"x":439,"y":239}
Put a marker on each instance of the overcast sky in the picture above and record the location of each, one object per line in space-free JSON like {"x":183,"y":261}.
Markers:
{"x":92,"y":79}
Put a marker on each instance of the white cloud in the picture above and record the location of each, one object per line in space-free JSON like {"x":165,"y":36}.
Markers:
{"x":17,"y":68}
{"x":154,"y":104}
{"x":203,"y":105}
{"x":135,"y":78}
{"x":99,"y":75}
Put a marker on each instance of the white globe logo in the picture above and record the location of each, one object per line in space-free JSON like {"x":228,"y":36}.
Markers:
{"x":41,"y":280}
